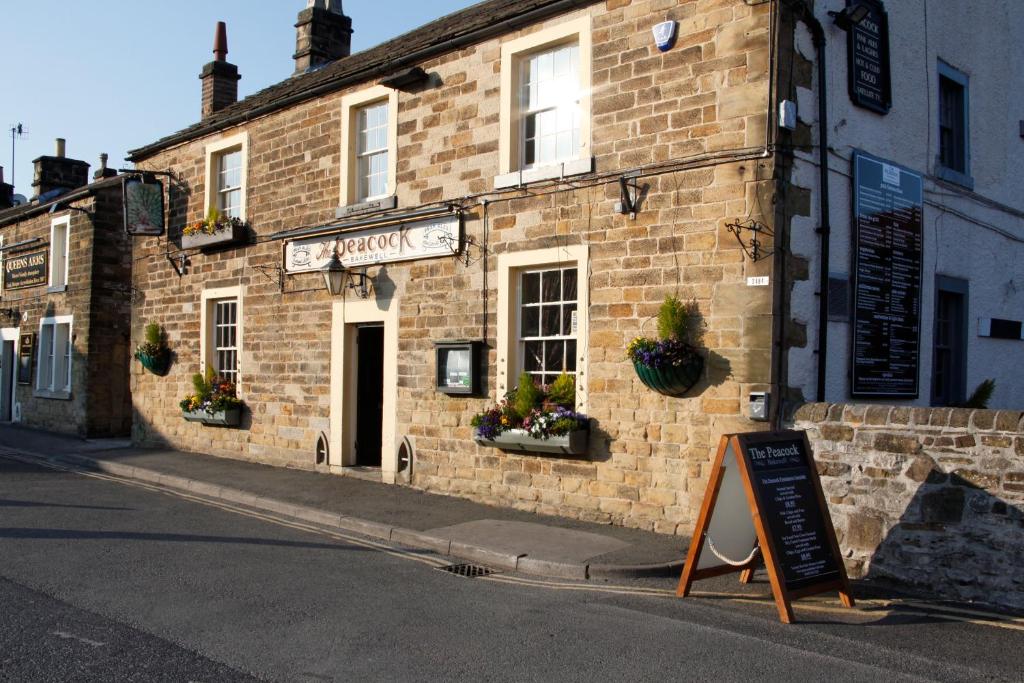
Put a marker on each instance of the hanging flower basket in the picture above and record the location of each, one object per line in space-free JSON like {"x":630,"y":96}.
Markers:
{"x":671,"y":380}
{"x":156,"y":363}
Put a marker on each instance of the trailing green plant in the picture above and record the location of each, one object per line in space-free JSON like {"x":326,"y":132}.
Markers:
{"x":982,"y":395}
{"x":563,"y":390}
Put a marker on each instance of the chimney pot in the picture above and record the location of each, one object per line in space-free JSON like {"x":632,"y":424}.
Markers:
{"x":219,"y":77}
{"x":60,"y":148}
{"x":220,"y":42}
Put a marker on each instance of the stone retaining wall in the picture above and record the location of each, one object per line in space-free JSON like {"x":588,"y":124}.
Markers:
{"x":932,"y":497}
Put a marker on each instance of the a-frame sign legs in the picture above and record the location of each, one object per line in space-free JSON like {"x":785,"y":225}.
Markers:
{"x":783,"y":493}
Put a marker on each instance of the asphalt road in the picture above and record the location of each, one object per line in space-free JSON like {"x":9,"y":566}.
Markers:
{"x":107,"y":580}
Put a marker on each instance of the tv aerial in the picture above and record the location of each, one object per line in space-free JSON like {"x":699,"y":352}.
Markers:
{"x":19,"y":131}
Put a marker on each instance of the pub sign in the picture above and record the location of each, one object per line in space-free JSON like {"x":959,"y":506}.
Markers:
{"x":25,"y":269}
{"x":868,"y":73}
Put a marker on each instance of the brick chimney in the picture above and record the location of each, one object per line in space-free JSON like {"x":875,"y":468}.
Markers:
{"x":220,"y":79}
{"x":6,"y":192}
{"x":58,"y":172}
{"x":322,"y":34}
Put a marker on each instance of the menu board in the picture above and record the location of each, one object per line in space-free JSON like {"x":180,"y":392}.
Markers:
{"x":764,"y":505}
{"x":868,"y":43}
{"x":781,"y":478}
{"x":887,"y":241}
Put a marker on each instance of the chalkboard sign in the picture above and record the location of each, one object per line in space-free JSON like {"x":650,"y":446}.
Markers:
{"x":868,"y":70}
{"x":764,"y":505}
{"x":888,"y":203}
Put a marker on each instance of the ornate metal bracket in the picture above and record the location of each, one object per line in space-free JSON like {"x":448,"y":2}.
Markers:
{"x":752,"y":247}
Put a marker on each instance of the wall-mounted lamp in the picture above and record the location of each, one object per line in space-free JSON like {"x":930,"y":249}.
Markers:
{"x":337,"y":277}
{"x":848,"y":17}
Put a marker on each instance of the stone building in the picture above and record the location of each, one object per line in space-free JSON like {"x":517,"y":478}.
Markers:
{"x":65,"y":302}
{"x":454,"y":171}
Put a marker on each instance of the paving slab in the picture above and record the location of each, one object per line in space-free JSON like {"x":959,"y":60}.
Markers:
{"x":533,"y":540}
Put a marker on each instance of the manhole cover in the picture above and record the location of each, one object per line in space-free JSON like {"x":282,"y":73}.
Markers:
{"x":467,"y":570}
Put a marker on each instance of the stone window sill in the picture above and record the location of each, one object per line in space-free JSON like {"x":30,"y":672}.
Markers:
{"x":956,"y":177}
{"x":381,"y":204}
{"x":532,"y":175}
{"x":54,"y":395}
{"x":56,"y":289}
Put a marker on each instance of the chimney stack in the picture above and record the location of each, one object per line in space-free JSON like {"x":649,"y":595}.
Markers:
{"x":58,"y":174}
{"x":103,"y":171}
{"x":322,"y":34}
{"x":220,"y":79}
{"x":6,"y":192}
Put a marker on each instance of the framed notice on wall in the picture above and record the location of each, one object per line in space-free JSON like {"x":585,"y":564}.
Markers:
{"x":26,"y":355}
{"x":888,"y":203}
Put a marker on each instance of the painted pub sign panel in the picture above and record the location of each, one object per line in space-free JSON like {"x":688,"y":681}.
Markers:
{"x":888,"y":202}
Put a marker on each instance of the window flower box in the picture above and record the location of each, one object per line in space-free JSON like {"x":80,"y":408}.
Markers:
{"x":229,"y":417}
{"x":572,"y":443}
{"x":232,"y":233}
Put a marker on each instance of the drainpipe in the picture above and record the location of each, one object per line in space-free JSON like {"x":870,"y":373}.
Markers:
{"x":806,"y":15}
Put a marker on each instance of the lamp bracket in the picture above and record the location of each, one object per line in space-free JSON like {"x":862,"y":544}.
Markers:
{"x":179,"y":262}
{"x":752,"y":247}
{"x":273,"y":273}
{"x":629,"y":191}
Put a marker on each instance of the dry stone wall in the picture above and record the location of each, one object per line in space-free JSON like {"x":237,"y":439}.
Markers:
{"x":932,"y":497}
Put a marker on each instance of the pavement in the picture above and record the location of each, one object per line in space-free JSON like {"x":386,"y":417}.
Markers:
{"x":466,"y":531}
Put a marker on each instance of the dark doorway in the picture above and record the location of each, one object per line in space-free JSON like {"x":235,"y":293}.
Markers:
{"x":369,"y":395}
{"x":949,"y":352}
{"x":6,"y":380}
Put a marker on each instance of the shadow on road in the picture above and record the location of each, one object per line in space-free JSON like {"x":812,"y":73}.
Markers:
{"x":34,"y":504}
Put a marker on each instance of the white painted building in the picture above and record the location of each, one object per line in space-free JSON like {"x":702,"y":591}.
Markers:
{"x":971,"y":160}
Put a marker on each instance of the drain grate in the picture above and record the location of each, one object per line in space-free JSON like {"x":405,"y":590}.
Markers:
{"x":468,"y":570}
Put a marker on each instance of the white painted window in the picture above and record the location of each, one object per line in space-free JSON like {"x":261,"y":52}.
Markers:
{"x":54,"y":356}
{"x":369,"y":145}
{"x":547,"y":322}
{"x":372,"y":151}
{"x":550,"y":106}
{"x":221,"y":345}
{"x":544,"y":108}
{"x":542,"y":321}
{"x":226,"y":172}
{"x":60,"y":238}
{"x":225,"y":338}
{"x":229,"y":183}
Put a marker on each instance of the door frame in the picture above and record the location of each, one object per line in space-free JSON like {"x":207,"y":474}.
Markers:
{"x":345,"y":317}
{"x":13,"y":334}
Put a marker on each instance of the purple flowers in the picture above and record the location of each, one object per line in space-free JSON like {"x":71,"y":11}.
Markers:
{"x":660,"y":353}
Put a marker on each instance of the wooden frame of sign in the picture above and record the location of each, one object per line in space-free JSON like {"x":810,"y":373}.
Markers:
{"x":780,"y":517}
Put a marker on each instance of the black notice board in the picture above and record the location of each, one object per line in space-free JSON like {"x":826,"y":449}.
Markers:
{"x":26,"y":354}
{"x":868,"y":73}
{"x":788,"y":498}
{"x":888,"y":204}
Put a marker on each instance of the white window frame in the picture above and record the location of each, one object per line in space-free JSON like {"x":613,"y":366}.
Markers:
{"x":510,"y":141}
{"x":59,"y":227}
{"x":214,"y":151}
{"x":208,"y":317}
{"x":52,"y":390}
{"x":351,"y":104}
{"x":510,"y":267}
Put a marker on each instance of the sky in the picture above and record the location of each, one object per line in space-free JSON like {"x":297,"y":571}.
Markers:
{"x":113,"y":75}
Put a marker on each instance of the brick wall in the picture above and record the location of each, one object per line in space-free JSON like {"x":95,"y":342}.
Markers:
{"x":649,"y":453}
{"x":932,"y":497}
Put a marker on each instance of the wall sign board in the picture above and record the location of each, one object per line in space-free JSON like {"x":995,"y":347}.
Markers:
{"x":764,"y":504}
{"x":26,"y":355}
{"x":25,"y":269}
{"x":869,"y":79}
{"x":888,"y":203}
{"x":400,"y":241}
{"x":143,"y":206}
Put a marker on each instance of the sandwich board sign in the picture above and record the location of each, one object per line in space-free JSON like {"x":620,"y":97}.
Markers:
{"x":764,"y":505}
